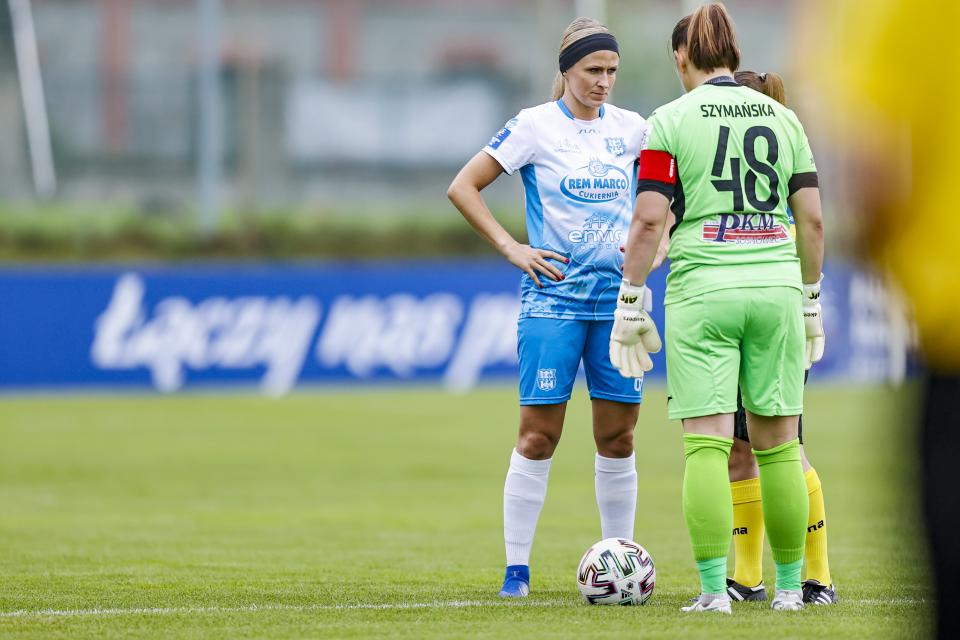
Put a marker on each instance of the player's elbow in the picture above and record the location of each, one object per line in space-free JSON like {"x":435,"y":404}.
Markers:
{"x":811,"y":226}
{"x":807,"y":210}
{"x":648,"y":224}
{"x":453,"y":191}
{"x":650,"y":212}
{"x":459,"y":189}
{"x":648,"y":220}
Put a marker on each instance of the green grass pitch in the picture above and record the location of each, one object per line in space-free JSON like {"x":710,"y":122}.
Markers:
{"x":378,"y":513}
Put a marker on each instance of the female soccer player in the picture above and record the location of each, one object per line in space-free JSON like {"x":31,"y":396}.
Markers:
{"x":576,"y":155}
{"x":747,"y":581}
{"x":741,"y":301}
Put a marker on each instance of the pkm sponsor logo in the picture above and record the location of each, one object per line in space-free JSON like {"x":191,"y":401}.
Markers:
{"x":595,"y":182}
{"x":745,"y":228}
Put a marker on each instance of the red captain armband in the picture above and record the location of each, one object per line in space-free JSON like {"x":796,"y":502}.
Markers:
{"x":658,"y":166}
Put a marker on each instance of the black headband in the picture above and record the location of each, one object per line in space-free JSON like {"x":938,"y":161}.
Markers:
{"x":585,"y":46}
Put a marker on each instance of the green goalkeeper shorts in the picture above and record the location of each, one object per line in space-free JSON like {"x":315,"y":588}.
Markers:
{"x":753,"y":336}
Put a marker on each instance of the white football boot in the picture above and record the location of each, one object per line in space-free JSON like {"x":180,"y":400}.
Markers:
{"x":787,"y":600}
{"x":710,"y":602}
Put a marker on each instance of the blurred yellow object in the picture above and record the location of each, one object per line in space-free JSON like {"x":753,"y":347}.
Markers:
{"x":884,"y":67}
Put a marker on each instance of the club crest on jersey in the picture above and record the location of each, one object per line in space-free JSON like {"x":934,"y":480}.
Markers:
{"x":616,"y":146}
{"x":547,"y":379}
{"x":595,"y":182}
{"x":744,"y":228}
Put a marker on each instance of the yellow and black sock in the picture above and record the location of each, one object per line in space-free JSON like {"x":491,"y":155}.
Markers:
{"x":818,"y":565}
{"x":747,"y":531}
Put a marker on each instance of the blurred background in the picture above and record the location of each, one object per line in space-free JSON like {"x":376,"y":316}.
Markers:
{"x":360,"y":106}
{"x":153,"y":133}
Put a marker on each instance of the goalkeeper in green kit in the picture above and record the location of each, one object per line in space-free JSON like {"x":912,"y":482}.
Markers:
{"x":742,"y":301}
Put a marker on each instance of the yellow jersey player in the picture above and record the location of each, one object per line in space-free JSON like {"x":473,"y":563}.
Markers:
{"x":901,"y":146}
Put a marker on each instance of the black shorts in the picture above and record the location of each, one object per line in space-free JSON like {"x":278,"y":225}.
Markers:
{"x":740,"y":417}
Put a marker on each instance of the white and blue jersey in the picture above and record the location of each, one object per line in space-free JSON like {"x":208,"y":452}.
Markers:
{"x":579,"y":178}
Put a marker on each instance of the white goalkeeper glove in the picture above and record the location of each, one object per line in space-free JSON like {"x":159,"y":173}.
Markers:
{"x":813,"y":322}
{"x":634,"y":336}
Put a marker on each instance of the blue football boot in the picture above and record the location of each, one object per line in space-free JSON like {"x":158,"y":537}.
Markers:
{"x":516,"y":583}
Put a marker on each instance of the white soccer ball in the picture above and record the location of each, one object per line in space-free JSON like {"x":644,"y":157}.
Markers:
{"x":616,"y":571}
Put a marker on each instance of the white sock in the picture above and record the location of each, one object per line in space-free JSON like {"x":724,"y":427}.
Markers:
{"x":616,"y":480}
{"x":523,"y":496}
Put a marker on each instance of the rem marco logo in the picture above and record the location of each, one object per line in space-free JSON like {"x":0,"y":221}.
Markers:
{"x":744,"y":228}
{"x":595,"y":182}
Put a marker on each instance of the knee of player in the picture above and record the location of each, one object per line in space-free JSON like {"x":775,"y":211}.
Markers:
{"x":537,"y":445}
{"x":742,"y":464}
{"x":615,"y":445}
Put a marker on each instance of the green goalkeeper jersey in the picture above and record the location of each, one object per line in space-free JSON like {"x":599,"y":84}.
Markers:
{"x":729,"y":157}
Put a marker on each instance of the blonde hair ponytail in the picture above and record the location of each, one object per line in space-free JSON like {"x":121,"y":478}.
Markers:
{"x":579,"y":28}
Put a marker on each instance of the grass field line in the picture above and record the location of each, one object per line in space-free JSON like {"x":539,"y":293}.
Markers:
{"x":452,"y":604}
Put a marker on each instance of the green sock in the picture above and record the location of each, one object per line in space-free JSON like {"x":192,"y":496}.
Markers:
{"x":785,"y":509}
{"x":708,"y":506}
{"x":713,"y":575}
{"x":789,"y":574}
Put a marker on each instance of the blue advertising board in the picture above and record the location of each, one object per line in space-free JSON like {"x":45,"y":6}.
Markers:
{"x":274,"y":326}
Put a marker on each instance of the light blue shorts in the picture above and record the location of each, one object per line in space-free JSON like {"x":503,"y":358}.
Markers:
{"x":550,"y":352}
